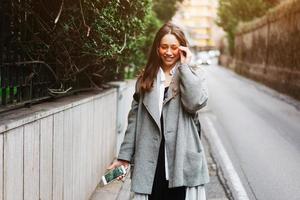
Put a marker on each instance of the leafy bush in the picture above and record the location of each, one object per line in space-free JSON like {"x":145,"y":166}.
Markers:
{"x":86,"y":42}
{"x":165,"y":9}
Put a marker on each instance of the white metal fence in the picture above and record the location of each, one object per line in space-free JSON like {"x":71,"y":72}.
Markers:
{"x":59,"y":150}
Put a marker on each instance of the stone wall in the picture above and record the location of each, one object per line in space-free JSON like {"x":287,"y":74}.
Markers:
{"x":268,"y":49}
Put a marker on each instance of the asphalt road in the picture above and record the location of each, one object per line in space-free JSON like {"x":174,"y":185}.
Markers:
{"x":260,"y":129}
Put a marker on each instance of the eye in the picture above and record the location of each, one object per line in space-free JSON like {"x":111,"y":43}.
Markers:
{"x":164,"y":47}
{"x":174,"y":48}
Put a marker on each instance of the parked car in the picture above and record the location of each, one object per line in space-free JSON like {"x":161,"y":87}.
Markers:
{"x":203,"y":58}
{"x":214,"y":53}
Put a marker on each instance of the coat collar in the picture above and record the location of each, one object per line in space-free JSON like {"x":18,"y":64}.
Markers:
{"x":150,"y":99}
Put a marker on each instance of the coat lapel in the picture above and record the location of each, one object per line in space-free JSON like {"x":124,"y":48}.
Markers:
{"x":151,"y":99}
{"x":151,"y":102}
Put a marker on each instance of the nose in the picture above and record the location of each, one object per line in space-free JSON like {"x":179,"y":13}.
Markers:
{"x":169,"y":52}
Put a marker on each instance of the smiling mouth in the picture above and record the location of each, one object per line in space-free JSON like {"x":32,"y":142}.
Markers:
{"x":169,"y":58}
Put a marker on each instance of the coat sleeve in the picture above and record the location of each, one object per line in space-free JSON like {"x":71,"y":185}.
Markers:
{"x":128,"y":145}
{"x":193,"y":88}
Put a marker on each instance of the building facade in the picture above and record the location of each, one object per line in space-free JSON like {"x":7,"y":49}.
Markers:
{"x":197,"y":18}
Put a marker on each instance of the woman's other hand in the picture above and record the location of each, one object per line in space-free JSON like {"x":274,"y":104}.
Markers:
{"x":118,"y":163}
{"x":185,"y":55}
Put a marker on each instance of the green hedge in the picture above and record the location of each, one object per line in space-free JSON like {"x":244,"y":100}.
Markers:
{"x":87,"y":42}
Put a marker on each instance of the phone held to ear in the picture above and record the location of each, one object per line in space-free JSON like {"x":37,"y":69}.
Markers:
{"x":113,"y":174}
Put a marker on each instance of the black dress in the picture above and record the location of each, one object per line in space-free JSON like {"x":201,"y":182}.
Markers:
{"x":160,"y":190}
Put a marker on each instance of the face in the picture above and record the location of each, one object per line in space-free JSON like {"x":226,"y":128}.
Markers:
{"x":168,"y":50}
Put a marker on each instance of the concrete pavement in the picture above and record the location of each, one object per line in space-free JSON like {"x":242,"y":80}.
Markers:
{"x":215,"y":190}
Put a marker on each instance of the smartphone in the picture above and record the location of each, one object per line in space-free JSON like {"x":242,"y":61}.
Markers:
{"x":113,"y":174}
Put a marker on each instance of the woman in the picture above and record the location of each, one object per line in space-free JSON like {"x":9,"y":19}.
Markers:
{"x":161,"y":138}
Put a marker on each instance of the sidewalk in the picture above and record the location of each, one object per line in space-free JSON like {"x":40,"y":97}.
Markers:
{"x":215,"y":190}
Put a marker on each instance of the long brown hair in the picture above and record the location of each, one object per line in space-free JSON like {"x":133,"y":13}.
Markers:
{"x":154,"y":61}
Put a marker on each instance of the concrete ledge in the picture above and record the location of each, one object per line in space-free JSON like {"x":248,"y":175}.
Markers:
{"x":19,"y":117}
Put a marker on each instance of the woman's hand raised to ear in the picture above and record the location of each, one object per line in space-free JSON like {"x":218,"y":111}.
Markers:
{"x":185,"y":59}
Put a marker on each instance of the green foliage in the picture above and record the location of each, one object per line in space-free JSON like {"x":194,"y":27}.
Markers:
{"x":231,"y":12}
{"x":88,"y":42}
{"x":142,"y":45}
{"x":7,"y":91}
{"x":165,"y":9}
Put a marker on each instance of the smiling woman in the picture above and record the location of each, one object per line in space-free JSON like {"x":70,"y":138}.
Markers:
{"x":162,"y":137}
{"x":166,"y":50}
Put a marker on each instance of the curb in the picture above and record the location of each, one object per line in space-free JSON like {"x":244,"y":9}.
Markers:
{"x":215,"y":170}
{"x":230,"y":176}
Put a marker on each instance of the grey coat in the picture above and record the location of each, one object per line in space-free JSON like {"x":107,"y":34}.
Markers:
{"x":187,"y":165}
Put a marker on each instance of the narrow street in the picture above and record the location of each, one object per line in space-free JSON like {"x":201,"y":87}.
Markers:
{"x":260,"y":130}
